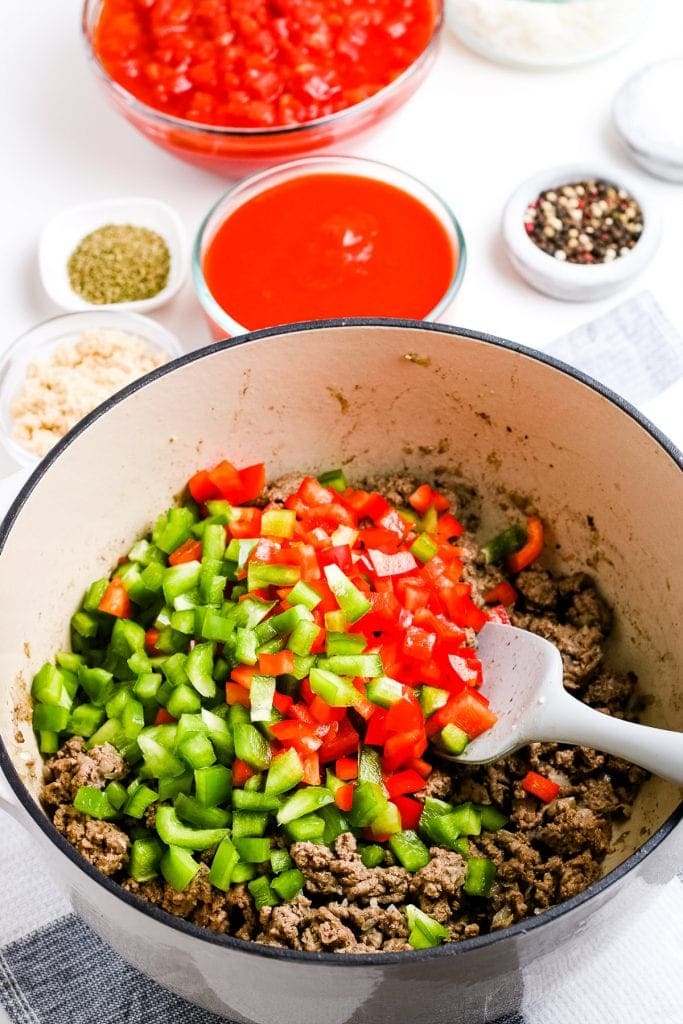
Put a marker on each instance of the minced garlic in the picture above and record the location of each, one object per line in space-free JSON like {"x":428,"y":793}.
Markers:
{"x":79,"y":375}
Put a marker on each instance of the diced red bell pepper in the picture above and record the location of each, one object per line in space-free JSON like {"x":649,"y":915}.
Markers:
{"x":241,"y":771}
{"x":282,"y":702}
{"x":538,"y":785}
{"x":163,"y":717}
{"x":323,"y":713}
{"x":407,"y":781}
{"x":346,"y":768}
{"x":151,"y":638}
{"x":375,"y":507}
{"x":498,"y":613}
{"x":468,"y":669}
{"x":252,"y":481}
{"x":235,"y":693}
{"x":190,"y":551}
{"x":202,"y":488}
{"x":115,"y":600}
{"x":468,"y":710}
{"x":337,"y":555}
{"x":344,"y":743}
{"x":421,"y":498}
{"x":502,"y":593}
{"x":314,"y":493}
{"x":328,"y":516}
{"x":226,"y":479}
{"x":404,"y":716}
{"x":422,"y":767}
{"x":379,"y":538}
{"x":296,"y":734}
{"x":410,"y":811}
{"x":448,"y":527}
{"x":279,"y":664}
{"x":243,"y":674}
{"x":418,"y":643}
{"x":460,"y":606}
{"x":532,"y":548}
{"x":400,"y":748}
{"x":311,"y":763}
{"x":343,"y":797}
{"x":391,"y":520}
{"x":396,"y":564}
{"x":301,"y":713}
{"x":376,"y":731}
{"x":246,"y":522}
{"x":440,"y":501}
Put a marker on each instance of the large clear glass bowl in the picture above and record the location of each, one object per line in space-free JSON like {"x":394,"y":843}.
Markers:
{"x":239,"y":151}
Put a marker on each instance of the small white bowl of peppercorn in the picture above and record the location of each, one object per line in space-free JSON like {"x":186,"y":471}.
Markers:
{"x":578,"y":233}
{"x":128,"y":254}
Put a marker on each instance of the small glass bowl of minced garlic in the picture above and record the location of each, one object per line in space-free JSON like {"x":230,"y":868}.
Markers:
{"x":125,"y":254}
{"x":59,"y":370}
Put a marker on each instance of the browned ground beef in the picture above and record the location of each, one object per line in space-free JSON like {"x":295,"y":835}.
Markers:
{"x":545,"y":854}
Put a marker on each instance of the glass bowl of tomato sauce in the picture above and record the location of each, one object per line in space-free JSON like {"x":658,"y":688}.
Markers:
{"x":325,"y":237}
{"x":234,"y":87}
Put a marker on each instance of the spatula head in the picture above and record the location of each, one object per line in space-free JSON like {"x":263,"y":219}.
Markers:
{"x":521,"y":672}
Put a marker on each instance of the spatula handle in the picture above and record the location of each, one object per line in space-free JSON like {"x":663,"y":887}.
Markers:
{"x":660,"y":751}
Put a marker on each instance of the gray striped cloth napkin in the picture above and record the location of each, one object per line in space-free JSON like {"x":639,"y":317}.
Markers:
{"x":55,"y":970}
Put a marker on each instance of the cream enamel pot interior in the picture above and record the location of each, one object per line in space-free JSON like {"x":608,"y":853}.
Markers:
{"x":370,"y":395}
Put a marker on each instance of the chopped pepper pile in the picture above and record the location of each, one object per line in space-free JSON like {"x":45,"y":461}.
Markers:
{"x":281,"y":671}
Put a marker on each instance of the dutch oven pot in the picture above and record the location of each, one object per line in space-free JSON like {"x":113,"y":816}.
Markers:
{"x":371,"y":396}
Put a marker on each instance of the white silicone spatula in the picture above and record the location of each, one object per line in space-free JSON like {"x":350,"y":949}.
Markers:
{"x":523,"y":682}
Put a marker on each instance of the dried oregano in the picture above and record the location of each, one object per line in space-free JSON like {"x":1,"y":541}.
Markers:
{"x":119,"y":263}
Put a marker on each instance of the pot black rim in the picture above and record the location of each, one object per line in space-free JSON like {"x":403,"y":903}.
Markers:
{"x":194,"y":931}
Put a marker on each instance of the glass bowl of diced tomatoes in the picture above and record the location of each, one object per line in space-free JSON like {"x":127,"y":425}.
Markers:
{"x":236,"y":87}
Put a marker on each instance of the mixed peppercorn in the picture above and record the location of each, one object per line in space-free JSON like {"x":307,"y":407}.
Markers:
{"x":590,"y":221}
{"x":278,"y":673}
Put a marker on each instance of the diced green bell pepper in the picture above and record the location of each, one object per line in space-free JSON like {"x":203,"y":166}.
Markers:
{"x":364,"y":665}
{"x":213,"y":785}
{"x":350,"y":599}
{"x":249,"y":823}
{"x":288,"y":884}
{"x":194,"y":813}
{"x":178,"y":867}
{"x":481,"y":873}
{"x":334,"y":690}
{"x":263,"y":894}
{"x":145,"y":857}
{"x":286,"y":771}
{"x":223,"y":865}
{"x":409,"y":850}
{"x":251,"y":746}
{"x":303,"y":802}
{"x":252,"y":849}
{"x":425,"y":932}
{"x":92,"y":801}
{"x":174,"y":833}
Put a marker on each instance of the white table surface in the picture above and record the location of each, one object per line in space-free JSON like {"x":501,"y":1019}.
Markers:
{"x":473,"y":131}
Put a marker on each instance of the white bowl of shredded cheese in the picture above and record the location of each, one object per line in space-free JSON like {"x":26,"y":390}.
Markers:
{"x":60,"y":370}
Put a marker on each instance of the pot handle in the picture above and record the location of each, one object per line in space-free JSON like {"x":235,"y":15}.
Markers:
{"x":10,"y":487}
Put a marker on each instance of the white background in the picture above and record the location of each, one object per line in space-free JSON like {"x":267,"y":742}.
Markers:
{"x":472,"y":132}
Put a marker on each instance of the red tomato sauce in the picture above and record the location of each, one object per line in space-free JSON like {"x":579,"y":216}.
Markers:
{"x":329,"y":245}
{"x":259,"y":63}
